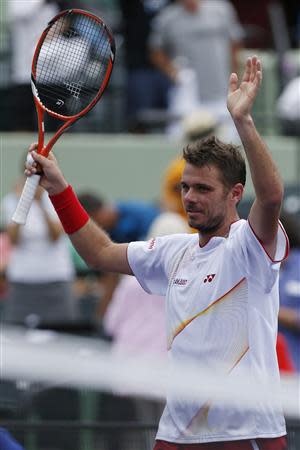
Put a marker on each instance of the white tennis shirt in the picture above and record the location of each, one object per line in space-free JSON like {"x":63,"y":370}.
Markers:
{"x":221,"y":306}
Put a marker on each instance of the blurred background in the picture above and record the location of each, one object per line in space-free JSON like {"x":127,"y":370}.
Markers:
{"x":123,"y":159}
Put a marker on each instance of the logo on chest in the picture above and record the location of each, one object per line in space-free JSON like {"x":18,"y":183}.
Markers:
{"x":209,"y":278}
{"x":180,"y":281}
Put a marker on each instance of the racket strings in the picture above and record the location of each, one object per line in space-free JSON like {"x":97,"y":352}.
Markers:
{"x":102,"y":43}
{"x":72,"y":63}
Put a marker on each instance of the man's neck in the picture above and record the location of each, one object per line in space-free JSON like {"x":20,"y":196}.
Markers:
{"x":222,"y":231}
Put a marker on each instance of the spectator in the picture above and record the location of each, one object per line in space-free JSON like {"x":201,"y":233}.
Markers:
{"x":124,"y":220}
{"x":40,"y":271}
{"x":147,"y":87}
{"x":5,"y":250}
{"x":26,"y":20}
{"x":198,"y":53}
{"x":284,"y":358}
{"x":171,"y":187}
{"x":289,"y":289}
{"x":288,"y":108}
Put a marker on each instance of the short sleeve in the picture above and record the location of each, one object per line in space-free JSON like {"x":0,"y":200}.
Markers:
{"x":289,"y":285}
{"x":148,"y":265}
{"x":259,"y":266}
{"x":152,"y":262}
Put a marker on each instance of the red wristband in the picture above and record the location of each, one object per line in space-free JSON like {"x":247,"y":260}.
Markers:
{"x":69,"y":210}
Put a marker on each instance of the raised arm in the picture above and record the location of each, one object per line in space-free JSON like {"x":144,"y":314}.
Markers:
{"x":266,"y":180}
{"x":92,"y":243}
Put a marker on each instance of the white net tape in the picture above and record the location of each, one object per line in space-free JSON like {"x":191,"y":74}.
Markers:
{"x":53,"y":358}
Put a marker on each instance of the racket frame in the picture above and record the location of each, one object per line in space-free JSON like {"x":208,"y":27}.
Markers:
{"x":41,"y":109}
{"x":32,"y":182}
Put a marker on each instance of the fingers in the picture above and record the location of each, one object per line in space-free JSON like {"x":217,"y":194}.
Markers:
{"x":34,"y":162}
{"x":252,"y":74}
{"x":233,"y":83}
{"x":30,"y":164}
{"x":256,"y":70}
{"x":259,"y":72}
{"x":247,"y":71}
{"x":253,"y":70}
{"x":256,"y":74}
{"x":51,"y":157}
{"x":38,"y":158}
{"x":33,"y":146}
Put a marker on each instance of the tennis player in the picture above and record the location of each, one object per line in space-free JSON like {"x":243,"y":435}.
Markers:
{"x":221,"y":285}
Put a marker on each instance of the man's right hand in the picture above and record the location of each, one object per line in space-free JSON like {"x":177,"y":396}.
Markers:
{"x":52,"y":178}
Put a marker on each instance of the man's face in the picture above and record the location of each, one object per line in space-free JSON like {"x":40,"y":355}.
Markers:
{"x":205,"y":198}
{"x":190,"y":5}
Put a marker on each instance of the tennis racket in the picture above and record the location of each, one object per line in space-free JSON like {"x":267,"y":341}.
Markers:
{"x":71,"y":67}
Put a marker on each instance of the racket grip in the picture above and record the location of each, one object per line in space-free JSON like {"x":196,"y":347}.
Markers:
{"x":26,"y":199}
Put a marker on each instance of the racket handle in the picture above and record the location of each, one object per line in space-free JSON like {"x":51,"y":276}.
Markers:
{"x":26,"y":199}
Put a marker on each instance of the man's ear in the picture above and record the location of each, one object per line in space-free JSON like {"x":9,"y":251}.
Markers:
{"x":237,"y":192}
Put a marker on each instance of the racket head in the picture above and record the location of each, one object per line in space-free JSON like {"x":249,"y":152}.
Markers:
{"x":72,"y":64}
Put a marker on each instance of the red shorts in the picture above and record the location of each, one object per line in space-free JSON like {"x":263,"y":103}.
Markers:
{"x":249,"y":444}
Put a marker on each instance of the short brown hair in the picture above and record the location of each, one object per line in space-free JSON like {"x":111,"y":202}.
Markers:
{"x":226,"y":157}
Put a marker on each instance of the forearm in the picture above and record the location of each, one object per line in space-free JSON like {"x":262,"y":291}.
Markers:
{"x":162,"y":62}
{"x":90,"y":242}
{"x":265,"y":176}
{"x":54,"y":228}
{"x":98,"y":251}
{"x":109,"y":282}
{"x":13,"y":231}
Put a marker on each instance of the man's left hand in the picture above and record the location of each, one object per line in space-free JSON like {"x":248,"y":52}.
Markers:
{"x":241,"y":97}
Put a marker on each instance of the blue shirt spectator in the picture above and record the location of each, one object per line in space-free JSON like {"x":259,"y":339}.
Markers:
{"x":134,"y":221}
{"x":124,"y":221}
{"x":7,"y":442}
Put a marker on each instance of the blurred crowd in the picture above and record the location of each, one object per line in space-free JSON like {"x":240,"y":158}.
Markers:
{"x":163,"y":74}
{"x":174,"y":79}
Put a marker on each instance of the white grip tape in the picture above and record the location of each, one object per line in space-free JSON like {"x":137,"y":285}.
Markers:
{"x":26,"y":199}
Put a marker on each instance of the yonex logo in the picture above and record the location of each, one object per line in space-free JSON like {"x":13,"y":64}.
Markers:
{"x":209,"y":278}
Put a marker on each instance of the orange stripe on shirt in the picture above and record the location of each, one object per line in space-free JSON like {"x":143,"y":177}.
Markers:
{"x":184,"y":324}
